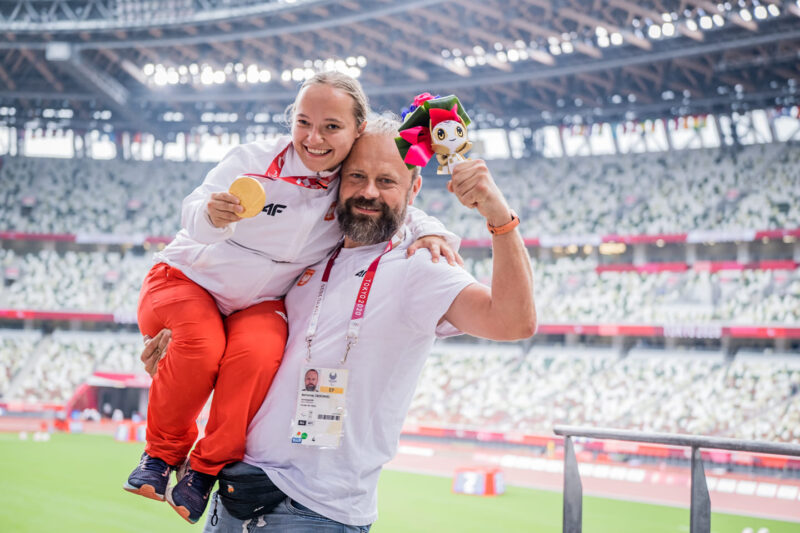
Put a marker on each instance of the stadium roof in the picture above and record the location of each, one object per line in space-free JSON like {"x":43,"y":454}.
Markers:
{"x":174,"y":65}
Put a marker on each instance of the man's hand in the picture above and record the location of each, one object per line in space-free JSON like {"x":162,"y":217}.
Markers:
{"x":474,"y":186}
{"x":438,"y":247}
{"x":154,"y":350}
{"x":222,"y":209}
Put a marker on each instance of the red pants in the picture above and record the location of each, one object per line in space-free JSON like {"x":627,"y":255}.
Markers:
{"x":236,"y":356}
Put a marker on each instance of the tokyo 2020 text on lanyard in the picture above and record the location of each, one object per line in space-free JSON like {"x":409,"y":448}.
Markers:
{"x":359,"y":308}
{"x":309,"y":182}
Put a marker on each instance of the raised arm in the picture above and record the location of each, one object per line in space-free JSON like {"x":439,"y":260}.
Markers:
{"x":506,"y":311}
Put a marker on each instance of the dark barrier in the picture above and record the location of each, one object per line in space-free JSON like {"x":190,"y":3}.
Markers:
{"x":700,"y":510}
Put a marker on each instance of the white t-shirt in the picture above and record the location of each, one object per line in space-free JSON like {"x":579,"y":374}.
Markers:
{"x":407,"y":299}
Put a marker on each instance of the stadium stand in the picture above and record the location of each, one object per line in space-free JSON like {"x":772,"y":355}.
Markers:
{"x":752,"y":396}
{"x":754,"y":189}
{"x":568,"y":289}
{"x":16,"y":347}
{"x":43,"y":195}
{"x":65,"y":359}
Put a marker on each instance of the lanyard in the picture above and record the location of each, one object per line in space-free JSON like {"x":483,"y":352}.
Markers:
{"x":359,"y":307}
{"x":309,"y":182}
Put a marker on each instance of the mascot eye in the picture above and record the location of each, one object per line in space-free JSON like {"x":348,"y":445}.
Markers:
{"x":440,"y":133}
{"x":460,"y":131}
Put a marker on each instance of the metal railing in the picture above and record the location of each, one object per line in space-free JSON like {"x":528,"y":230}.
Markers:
{"x":700,"y":507}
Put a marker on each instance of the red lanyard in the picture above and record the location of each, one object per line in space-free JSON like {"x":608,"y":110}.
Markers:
{"x":361,"y":299}
{"x":309,"y":182}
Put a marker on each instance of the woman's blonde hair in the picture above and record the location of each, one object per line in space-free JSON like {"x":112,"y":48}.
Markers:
{"x":348,"y":84}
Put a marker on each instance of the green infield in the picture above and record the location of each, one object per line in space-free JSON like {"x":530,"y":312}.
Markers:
{"x":73,"y":483}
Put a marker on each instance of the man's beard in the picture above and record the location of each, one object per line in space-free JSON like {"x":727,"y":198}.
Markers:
{"x":364,"y":229}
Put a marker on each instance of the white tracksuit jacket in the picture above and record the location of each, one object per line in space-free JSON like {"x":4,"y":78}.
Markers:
{"x":257,"y":259}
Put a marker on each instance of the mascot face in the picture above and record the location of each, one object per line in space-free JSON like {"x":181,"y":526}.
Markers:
{"x":450,"y":134}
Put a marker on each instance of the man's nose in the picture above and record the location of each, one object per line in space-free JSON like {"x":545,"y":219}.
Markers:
{"x":370,"y":189}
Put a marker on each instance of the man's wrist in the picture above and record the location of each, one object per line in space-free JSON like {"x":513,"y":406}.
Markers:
{"x":511,"y":222}
{"x":499,"y":215}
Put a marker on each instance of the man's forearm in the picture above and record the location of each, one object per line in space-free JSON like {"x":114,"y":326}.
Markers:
{"x":512,"y":285}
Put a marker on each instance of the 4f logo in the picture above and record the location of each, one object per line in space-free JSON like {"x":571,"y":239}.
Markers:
{"x":273,"y":209}
{"x":361,"y":273}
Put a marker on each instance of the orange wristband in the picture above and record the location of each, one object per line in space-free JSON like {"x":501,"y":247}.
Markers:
{"x":505,"y":228}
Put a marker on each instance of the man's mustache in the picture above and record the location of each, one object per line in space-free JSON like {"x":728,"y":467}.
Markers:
{"x":365,"y":203}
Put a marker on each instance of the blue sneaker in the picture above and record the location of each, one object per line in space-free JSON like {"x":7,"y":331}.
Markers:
{"x":189,"y":497}
{"x":149,"y":478}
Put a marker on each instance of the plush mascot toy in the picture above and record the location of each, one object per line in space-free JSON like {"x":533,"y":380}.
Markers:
{"x":437,"y":125}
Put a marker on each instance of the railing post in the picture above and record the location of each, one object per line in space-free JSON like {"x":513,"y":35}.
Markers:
{"x":700,"y":517}
{"x":573,"y":491}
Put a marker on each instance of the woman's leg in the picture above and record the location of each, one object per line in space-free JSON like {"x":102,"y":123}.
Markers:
{"x":256,"y":337}
{"x":187,"y":374}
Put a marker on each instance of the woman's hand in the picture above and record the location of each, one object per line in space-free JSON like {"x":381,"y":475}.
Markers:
{"x":438,"y":247}
{"x":223,"y":208}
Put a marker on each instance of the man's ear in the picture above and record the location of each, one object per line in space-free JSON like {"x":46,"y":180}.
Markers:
{"x":415,"y":187}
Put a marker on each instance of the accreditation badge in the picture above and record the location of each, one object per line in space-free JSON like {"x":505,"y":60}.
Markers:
{"x":319,"y":415}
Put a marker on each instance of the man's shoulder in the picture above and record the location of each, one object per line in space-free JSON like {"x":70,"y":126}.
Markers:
{"x":421,"y":265}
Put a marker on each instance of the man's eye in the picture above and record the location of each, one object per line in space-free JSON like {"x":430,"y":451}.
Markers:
{"x":333,"y":127}
{"x":460,"y":131}
{"x":440,"y":134}
{"x":302,"y":122}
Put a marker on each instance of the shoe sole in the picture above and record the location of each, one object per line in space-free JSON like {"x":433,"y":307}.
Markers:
{"x":148,"y":491}
{"x":180,"y":509}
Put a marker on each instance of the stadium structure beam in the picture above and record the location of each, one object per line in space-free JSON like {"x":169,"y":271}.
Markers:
{"x":593,"y":22}
{"x":733,"y":16}
{"x":652,"y":14}
{"x":112,"y":91}
{"x":42,"y":69}
{"x":428,"y":56}
{"x":7,"y":79}
{"x":475,"y":33}
{"x":658,"y":109}
{"x":504,"y":78}
{"x":391,"y":62}
{"x":165,"y":42}
{"x":530,"y":27}
{"x":24,"y":15}
{"x":47,"y":96}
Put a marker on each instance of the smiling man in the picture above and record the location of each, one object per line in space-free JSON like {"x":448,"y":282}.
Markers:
{"x":365,"y":321}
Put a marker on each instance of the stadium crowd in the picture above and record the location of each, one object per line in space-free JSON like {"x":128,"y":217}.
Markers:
{"x":502,"y":388}
{"x":568,"y":289}
{"x":753,"y":188}
{"x":87,"y":196}
{"x":61,"y":361}
{"x":751,"y":397}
